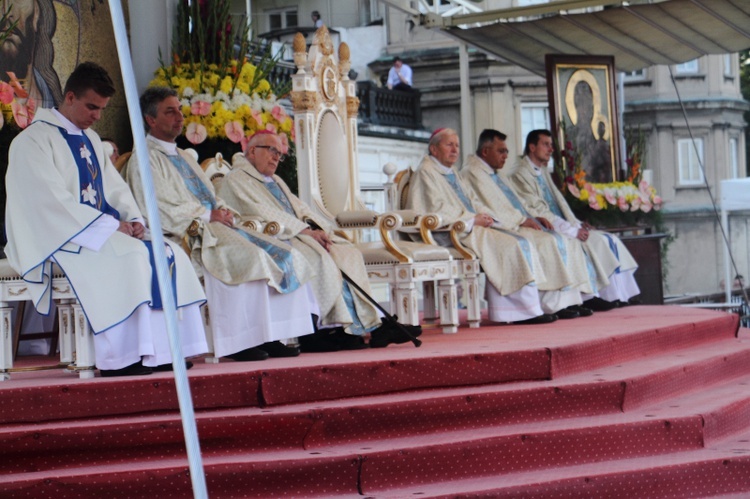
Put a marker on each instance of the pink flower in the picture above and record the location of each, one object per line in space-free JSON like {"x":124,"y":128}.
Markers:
{"x":258,"y":117}
{"x":23,"y":114}
{"x":6,"y":93}
{"x":278,"y":113}
{"x":646,"y":207}
{"x":643,"y":186}
{"x":234,"y":131}
{"x":594,"y":203}
{"x":200,"y":108}
{"x":610,"y":198}
{"x":622,"y":203}
{"x":271,"y":127}
{"x":284,"y":143}
{"x":17,"y":87}
{"x":574,"y":191}
{"x":635,"y":204}
{"x":196,"y":133}
{"x":657,"y":201}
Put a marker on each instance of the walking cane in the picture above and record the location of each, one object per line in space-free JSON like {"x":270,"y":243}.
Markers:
{"x":391,"y":319}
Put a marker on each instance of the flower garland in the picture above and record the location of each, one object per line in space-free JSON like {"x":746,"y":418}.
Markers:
{"x":630,"y":202}
{"x":225,"y":103}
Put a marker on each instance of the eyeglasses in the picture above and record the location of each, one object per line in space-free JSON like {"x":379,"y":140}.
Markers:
{"x":274,"y":152}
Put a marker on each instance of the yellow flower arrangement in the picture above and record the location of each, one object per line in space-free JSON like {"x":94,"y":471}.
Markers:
{"x":225,"y":103}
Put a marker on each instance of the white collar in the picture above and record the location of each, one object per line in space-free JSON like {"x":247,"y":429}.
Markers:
{"x":169,"y":147}
{"x":535,"y":170}
{"x":445,"y":170}
{"x":66,"y":123}
{"x":267,"y":179}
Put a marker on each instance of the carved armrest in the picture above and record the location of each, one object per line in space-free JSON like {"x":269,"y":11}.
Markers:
{"x":256,"y":224}
{"x":357,"y":219}
{"x":458,"y":228}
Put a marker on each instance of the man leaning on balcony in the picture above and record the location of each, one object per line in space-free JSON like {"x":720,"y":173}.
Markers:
{"x":254,"y":189}
{"x":519,"y":289}
{"x":256,"y":286}
{"x":613,"y":263}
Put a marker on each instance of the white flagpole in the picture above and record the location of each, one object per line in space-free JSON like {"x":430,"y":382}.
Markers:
{"x":197,"y":475}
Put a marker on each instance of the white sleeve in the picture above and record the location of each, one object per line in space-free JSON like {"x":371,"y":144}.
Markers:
{"x":95,"y":235}
{"x":564,"y":227}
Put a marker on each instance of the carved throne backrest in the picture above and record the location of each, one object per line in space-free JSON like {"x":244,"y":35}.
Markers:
{"x":325,"y":124}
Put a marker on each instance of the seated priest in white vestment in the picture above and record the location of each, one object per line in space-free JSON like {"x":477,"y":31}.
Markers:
{"x":559,"y":254}
{"x":612,"y":262}
{"x":345,"y":314}
{"x":67,"y":204}
{"x":256,"y":285}
{"x":519,"y":289}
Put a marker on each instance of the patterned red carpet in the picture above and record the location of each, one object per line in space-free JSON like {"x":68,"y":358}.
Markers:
{"x":636,"y":402}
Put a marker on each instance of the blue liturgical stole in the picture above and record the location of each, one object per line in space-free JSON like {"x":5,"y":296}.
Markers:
{"x":549,"y":197}
{"x":453,"y":181}
{"x":276,"y":192}
{"x":519,"y":206}
{"x":356,"y":327}
{"x":92,"y":194}
{"x":89,"y":173}
{"x":282,"y":257}
{"x":525,"y":247}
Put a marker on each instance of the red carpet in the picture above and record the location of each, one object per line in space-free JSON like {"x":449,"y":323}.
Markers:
{"x":636,"y":402}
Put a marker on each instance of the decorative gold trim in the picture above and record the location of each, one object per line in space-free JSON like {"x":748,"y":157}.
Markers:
{"x":17,"y":293}
{"x":61,"y":291}
{"x":193,"y":228}
{"x":352,"y":106}
{"x":402,"y":274}
{"x":456,"y":229}
{"x":304,"y":100}
{"x":329,"y":81}
{"x":382,"y":275}
{"x":428,"y":224}
{"x":387,"y":223}
{"x":272,"y":228}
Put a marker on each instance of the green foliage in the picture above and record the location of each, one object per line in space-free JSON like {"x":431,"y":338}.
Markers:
{"x":205,"y":39}
{"x":6,"y":26}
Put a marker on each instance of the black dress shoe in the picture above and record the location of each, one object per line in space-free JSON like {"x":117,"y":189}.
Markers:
{"x":136,"y":369}
{"x":540,"y":319}
{"x":389,"y":332}
{"x":599,"y":305}
{"x":278,"y":349}
{"x":169,"y":367}
{"x":635,"y":301}
{"x":347,"y":341}
{"x":567,"y":313}
{"x":319,"y":342}
{"x":249,"y":355}
{"x":582,"y":311}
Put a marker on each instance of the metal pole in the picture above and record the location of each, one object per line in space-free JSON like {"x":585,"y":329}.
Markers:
{"x":197,"y":475}
{"x":467,"y":132}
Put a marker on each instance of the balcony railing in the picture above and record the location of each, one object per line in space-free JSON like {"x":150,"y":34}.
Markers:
{"x":380,"y":106}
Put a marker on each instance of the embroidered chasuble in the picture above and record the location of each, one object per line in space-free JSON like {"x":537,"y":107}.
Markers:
{"x":503,"y":256}
{"x":269,"y":198}
{"x":539,"y":196}
{"x":563,"y":259}
{"x":59,"y":185}
{"x":230,"y":254}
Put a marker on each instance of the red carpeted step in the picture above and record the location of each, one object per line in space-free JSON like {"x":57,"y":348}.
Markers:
{"x":232,"y":475}
{"x":635,"y":334}
{"x":692,"y":474}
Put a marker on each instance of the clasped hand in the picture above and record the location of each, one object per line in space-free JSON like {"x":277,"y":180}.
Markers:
{"x":223,"y":216}
{"x":133,"y":229}
{"x":321,"y":237}
{"x":483,"y":220}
